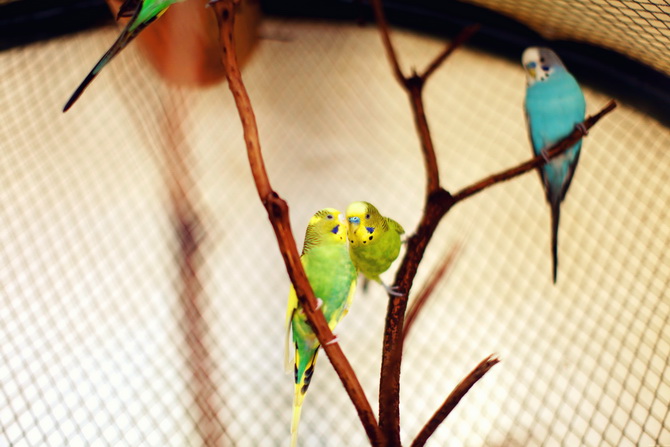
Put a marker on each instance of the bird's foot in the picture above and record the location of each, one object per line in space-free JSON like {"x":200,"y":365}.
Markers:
{"x":392,"y":290}
{"x":334,"y":340}
{"x":545,"y":155}
{"x":583,"y":128}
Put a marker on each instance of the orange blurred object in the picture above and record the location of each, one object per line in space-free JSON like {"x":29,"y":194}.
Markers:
{"x":183,"y":46}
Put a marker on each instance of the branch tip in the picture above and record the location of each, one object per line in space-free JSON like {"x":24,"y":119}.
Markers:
{"x":454,"y":398}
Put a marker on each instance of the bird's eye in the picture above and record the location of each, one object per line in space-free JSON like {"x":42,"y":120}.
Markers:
{"x":367,"y":216}
{"x":330,"y":217}
{"x":542,"y":59}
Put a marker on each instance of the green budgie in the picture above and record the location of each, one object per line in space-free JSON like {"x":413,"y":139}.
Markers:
{"x":141,"y":14}
{"x":374,"y":241}
{"x":332,"y":276}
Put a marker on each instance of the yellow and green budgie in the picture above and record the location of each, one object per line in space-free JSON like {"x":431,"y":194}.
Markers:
{"x":374,"y":241}
{"x":332,"y":276}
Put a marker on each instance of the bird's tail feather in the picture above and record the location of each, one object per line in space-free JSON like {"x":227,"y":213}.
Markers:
{"x":120,"y":43}
{"x":302,"y":382}
{"x":555,"y":215}
{"x":298,"y":397}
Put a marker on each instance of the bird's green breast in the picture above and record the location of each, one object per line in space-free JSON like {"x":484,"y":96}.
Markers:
{"x":331,"y":273}
{"x":376,"y":256}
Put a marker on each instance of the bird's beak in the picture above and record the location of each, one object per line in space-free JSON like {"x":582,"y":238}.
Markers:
{"x":531,"y":72}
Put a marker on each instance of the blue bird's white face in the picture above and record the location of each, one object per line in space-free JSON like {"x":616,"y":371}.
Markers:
{"x":540,"y":63}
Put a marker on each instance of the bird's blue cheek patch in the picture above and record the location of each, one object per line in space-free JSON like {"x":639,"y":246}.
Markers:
{"x":335,"y":229}
{"x":370,"y":229}
{"x":545,"y":67}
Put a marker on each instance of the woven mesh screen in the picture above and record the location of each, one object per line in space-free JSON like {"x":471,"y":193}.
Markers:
{"x":638,"y":29}
{"x":98,"y":340}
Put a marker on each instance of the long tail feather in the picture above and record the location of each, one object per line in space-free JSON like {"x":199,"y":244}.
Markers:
{"x":301,"y":385}
{"x":298,"y":397}
{"x":120,"y":43}
{"x":129,"y":32}
{"x":555,"y":215}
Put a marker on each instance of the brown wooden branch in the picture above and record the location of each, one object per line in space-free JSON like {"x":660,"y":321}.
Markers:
{"x":438,"y":203}
{"x":452,"y":400}
{"x":413,"y":86}
{"x":556,"y":149}
{"x":386,"y":40}
{"x":437,"y":275}
{"x":462,"y":37}
{"x":277,"y":210}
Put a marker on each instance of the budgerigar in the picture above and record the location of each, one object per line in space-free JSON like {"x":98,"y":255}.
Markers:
{"x":332,"y":276}
{"x":374,"y":241}
{"x":141,"y":13}
{"x":554,"y":105}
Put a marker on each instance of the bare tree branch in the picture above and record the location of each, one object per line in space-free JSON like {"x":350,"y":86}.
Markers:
{"x":413,"y":86}
{"x":462,"y":37}
{"x":438,"y":203}
{"x":452,"y":400}
{"x":386,"y":40}
{"x":428,"y":288}
{"x":389,"y":383}
{"x":277,"y":210}
{"x":538,"y":161}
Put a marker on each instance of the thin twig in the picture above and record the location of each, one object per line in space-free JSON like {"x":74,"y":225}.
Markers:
{"x":413,"y":85}
{"x":277,"y":210}
{"x":386,"y":40}
{"x":556,"y":149}
{"x":462,"y":37}
{"x":452,"y":400}
{"x":428,"y":288}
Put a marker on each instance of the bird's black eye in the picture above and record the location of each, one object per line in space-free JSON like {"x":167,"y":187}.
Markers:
{"x":367,"y":216}
{"x":542,"y":59}
{"x":330,"y":217}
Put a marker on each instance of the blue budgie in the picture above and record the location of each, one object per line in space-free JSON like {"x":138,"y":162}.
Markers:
{"x":554,"y":105}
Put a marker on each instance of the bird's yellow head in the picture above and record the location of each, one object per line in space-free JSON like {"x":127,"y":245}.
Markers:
{"x":325,"y":228}
{"x":363,"y":221}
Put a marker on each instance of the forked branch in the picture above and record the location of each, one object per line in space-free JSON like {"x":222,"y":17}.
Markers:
{"x":438,"y":202}
{"x":277,"y":210}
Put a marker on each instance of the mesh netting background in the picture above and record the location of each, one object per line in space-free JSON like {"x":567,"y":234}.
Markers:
{"x":92,"y":325}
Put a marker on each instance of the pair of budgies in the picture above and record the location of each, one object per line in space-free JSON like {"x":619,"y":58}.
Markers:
{"x":141,"y":13}
{"x":554,"y":105}
{"x":332,"y":270}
